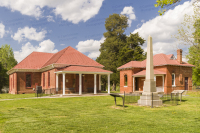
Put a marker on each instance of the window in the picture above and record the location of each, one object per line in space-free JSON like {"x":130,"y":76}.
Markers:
{"x":125,"y":80}
{"x":43,"y":79}
{"x":173,"y":79}
{"x":28,"y":80}
{"x":48,"y":78}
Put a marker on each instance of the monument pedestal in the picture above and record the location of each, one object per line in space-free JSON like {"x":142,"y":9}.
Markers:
{"x":147,"y":99}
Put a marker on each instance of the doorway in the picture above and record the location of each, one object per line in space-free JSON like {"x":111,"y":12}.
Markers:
{"x":186,"y":83}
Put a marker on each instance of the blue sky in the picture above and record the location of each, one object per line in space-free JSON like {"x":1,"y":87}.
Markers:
{"x":52,"y":25}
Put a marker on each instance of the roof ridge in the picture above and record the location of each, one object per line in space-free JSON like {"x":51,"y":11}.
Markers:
{"x":55,"y":54}
{"x":47,"y":60}
{"x":87,"y":57}
{"x":62,"y":53}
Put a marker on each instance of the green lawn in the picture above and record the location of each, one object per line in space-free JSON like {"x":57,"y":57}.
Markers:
{"x":96,"y":114}
{"x":12,"y":96}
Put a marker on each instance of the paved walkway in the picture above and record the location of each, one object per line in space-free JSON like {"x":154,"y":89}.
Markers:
{"x":61,"y":96}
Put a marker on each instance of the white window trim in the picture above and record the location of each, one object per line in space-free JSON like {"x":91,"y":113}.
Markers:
{"x":174,"y":85}
{"x":126,"y":81}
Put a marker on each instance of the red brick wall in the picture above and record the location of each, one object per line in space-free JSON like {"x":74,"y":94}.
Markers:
{"x":179,"y":82}
{"x":159,"y":81}
{"x":140,"y":83}
{"x":129,"y":87}
{"x":20,"y":82}
{"x":13,"y":83}
{"x":180,"y":74}
{"x":52,"y":79}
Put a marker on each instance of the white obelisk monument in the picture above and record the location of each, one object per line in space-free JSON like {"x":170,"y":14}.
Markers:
{"x":149,"y":84}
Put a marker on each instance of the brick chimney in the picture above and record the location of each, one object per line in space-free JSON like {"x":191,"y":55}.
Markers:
{"x":179,"y":55}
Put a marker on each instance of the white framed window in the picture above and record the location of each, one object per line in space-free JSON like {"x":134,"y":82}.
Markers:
{"x":125,"y":81}
{"x":173,"y":79}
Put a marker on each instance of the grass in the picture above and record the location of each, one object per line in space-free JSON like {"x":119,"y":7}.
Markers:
{"x":194,"y":93}
{"x":96,"y":114}
{"x":12,"y":96}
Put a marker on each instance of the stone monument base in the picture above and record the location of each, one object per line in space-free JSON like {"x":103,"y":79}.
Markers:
{"x":146,"y":99}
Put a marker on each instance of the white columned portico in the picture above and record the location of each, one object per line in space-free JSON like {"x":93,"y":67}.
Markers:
{"x":108,"y":83}
{"x":80,"y":83}
{"x":95,"y":83}
{"x":63,"y":83}
{"x":56,"y":81}
{"x":99,"y":82}
{"x":133,"y":84}
{"x":163,"y":82}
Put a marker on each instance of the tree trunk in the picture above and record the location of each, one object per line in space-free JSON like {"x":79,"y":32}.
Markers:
{"x":114,"y":86}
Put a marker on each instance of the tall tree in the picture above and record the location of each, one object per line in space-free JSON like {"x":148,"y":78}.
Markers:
{"x":7,"y":61}
{"x":117,"y":48}
{"x":189,"y":35}
{"x":3,"y":77}
{"x":7,"y":57}
{"x":168,"y":4}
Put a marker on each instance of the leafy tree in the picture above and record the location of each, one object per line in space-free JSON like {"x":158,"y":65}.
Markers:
{"x":3,"y":77}
{"x":117,"y":48}
{"x":7,"y":57}
{"x":168,"y":4}
{"x":189,"y":35}
{"x":194,"y":58}
{"x":132,"y":51}
{"x":7,"y":61}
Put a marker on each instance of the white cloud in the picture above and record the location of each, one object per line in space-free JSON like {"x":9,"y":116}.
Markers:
{"x":161,"y":28}
{"x":71,"y":10}
{"x":91,"y":46}
{"x":130,"y":13}
{"x":62,"y":44}
{"x":50,"y":18}
{"x":45,"y":46}
{"x":29,"y":33}
{"x":142,"y":20}
{"x":2,"y":30}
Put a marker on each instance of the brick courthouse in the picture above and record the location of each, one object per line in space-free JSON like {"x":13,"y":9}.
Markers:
{"x":169,"y":73}
{"x":67,"y":71}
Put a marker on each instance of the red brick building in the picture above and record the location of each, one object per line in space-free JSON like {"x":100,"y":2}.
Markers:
{"x":68,"y":71}
{"x":169,"y":73}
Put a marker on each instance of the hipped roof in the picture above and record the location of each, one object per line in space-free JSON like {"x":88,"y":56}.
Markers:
{"x":68,"y":56}
{"x":158,"y":60}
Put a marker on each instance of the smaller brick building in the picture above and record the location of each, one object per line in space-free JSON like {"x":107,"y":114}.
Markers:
{"x":169,"y":73}
{"x":67,"y":71}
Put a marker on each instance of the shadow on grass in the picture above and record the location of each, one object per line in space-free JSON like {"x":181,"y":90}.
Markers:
{"x":125,"y":106}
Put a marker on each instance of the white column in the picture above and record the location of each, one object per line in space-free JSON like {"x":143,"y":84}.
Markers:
{"x":108,"y":83}
{"x":95,"y":83}
{"x":154,"y":78}
{"x":99,"y":82}
{"x":56,"y":81}
{"x":63,"y":83}
{"x":163,"y":82}
{"x":80,"y":84}
{"x":133,"y":84}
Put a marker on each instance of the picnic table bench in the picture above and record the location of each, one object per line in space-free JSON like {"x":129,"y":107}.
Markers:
{"x":177,"y":92}
{"x":117,"y":95}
